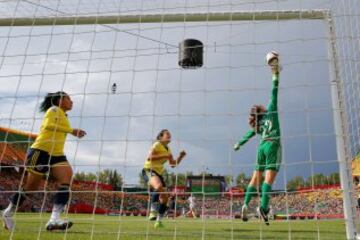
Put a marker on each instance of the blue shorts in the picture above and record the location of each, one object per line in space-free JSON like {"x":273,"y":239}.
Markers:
{"x":40,"y":162}
{"x":147,"y":174}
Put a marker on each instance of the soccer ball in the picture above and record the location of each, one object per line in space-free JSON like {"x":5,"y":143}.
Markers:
{"x":272,"y":58}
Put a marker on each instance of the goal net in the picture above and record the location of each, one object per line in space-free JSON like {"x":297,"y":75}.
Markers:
{"x":118,"y":61}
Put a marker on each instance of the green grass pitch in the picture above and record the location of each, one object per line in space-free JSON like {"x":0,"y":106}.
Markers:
{"x":99,"y":227}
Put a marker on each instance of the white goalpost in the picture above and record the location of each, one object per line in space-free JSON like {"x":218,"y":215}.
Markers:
{"x":340,"y":119}
{"x":125,"y":94}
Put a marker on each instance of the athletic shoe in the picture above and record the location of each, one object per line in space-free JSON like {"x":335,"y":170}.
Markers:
{"x":158,"y":224}
{"x":58,"y":225}
{"x":263,"y":215}
{"x":8,"y":222}
{"x":244,"y":213}
{"x":153,"y":216}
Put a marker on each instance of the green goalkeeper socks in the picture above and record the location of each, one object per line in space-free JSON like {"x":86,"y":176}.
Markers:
{"x":250,"y":192}
{"x":265,"y":196}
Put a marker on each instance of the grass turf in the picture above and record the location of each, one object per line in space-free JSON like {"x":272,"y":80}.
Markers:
{"x":99,"y":227}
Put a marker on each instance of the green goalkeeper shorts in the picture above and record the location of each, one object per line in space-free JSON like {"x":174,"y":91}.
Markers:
{"x":269,"y":156}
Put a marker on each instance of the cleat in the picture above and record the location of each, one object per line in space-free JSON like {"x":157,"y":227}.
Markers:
{"x":58,"y":225}
{"x":158,"y":224}
{"x":244,"y":212}
{"x":8,"y":222}
{"x":152,"y":216}
{"x":263,"y":215}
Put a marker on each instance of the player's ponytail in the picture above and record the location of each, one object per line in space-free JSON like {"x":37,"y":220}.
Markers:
{"x":161,"y":134}
{"x":51,"y":99}
{"x":255,"y":116}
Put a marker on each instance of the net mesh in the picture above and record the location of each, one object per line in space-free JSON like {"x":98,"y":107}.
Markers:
{"x":126,"y":86}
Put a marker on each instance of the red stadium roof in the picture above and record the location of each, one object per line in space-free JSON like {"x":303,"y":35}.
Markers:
{"x":13,"y":146}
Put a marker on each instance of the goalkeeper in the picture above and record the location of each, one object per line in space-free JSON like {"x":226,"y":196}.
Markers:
{"x":264,"y":121}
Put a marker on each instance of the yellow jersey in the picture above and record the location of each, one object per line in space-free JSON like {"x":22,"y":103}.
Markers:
{"x":355,"y":165}
{"x":158,"y":165}
{"x":54,"y":129}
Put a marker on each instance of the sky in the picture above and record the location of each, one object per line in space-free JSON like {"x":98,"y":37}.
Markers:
{"x":206,"y":109}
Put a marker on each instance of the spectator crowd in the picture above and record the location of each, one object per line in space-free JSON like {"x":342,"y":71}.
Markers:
{"x":307,"y":202}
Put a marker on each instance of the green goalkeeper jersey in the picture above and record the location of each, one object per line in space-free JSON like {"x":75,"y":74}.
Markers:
{"x":269,"y":126}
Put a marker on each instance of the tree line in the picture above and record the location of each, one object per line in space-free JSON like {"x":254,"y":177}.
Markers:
{"x":242,"y":180}
{"x":115,"y":179}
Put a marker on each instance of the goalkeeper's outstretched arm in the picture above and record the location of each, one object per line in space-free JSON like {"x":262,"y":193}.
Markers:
{"x":273,"y":104}
{"x":245,"y":139}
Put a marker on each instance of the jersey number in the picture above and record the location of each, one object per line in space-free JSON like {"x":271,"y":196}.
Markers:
{"x":267,"y":128}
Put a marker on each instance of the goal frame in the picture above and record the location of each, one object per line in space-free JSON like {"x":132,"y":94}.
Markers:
{"x":336,"y":83}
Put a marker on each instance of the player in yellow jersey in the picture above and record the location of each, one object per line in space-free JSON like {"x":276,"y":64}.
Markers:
{"x":159,"y":154}
{"x":46,"y":157}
